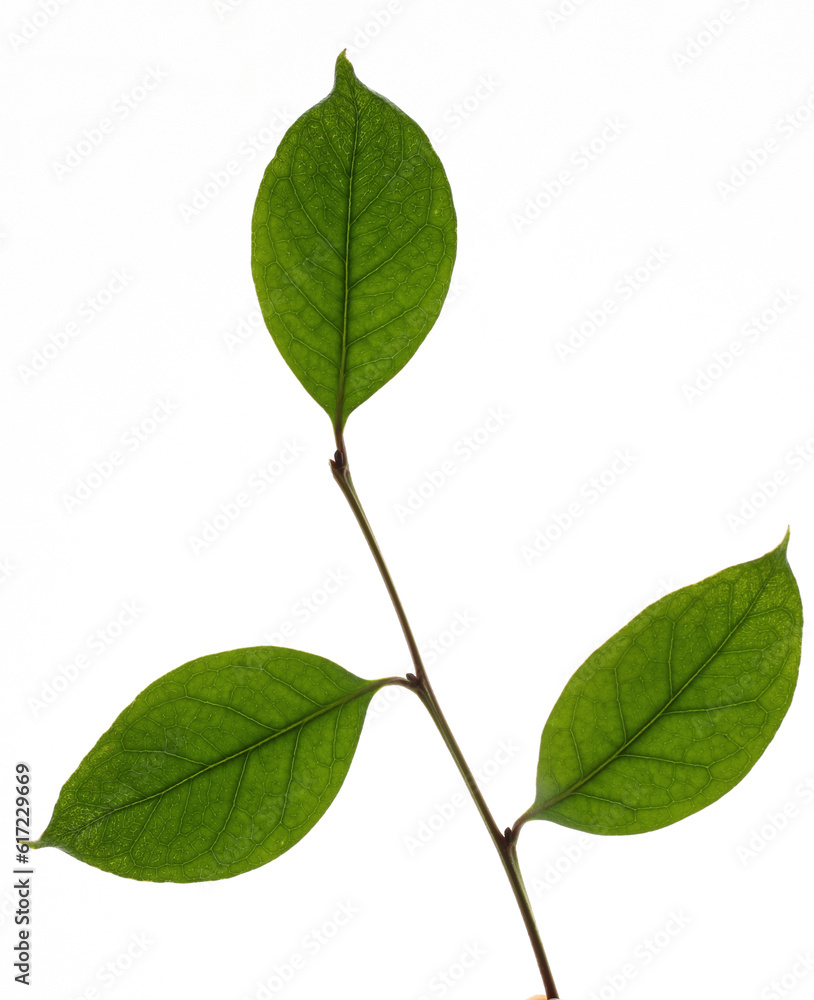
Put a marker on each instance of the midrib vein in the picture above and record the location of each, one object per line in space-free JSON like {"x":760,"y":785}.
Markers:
{"x":614,"y":756}
{"x":373,"y":686}
{"x":340,"y":393}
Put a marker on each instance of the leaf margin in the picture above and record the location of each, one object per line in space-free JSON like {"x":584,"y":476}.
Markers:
{"x":538,"y":811}
{"x":346,"y":84}
{"x":366,"y":691}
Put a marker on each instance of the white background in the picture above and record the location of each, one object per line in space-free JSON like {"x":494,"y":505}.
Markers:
{"x":534,"y":89}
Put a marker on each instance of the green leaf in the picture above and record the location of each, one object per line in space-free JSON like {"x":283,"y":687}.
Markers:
{"x":353,"y":242}
{"x":217,"y":767}
{"x":675,"y":709}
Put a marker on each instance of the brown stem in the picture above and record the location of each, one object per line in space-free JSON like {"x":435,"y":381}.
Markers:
{"x":505,"y":843}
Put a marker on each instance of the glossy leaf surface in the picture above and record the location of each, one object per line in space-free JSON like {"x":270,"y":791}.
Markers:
{"x":673,"y":711}
{"x":353,"y":242}
{"x":217,"y":767}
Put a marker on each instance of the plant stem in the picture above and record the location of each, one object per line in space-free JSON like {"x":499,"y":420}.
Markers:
{"x":505,"y":843}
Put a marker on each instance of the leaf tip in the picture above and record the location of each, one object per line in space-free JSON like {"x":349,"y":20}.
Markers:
{"x":344,"y":76}
{"x":783,"y":546}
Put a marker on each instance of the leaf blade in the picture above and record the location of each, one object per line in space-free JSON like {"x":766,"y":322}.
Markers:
{"x":217,"y":767}
{"x":353,"y":243}
{"x":675,"y":709}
